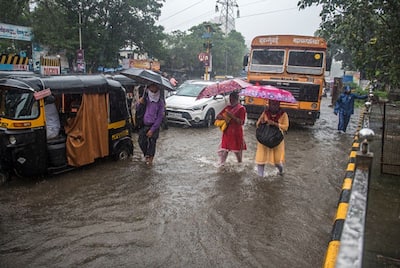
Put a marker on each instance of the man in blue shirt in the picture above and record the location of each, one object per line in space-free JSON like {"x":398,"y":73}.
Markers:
{"x":152,"y":120}
{"x":345,"y":107}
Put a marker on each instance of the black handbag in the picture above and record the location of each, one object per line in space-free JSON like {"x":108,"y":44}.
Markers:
{"x":269,"y":135}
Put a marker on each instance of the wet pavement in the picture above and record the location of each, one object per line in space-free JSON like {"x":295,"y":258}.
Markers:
{"x":184,"y":211}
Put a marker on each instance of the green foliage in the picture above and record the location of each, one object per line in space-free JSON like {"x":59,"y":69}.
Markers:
{"x":15,"y":13}
{"x":363,"y":35}
{"x":106,"y":26}
{"x":182,"y":49}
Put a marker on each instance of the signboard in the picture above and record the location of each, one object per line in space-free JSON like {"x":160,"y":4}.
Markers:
{"x":80,"y":61}
{"x":203,"y":56}
{"x":50,"y":65}
{"x":15,"y":32}
{"x":42,"y":94}
{"x":145,"y":64}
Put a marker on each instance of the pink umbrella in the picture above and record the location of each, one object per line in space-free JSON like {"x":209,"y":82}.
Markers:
{"x":224,"y":87}
{"x":268,"y":92}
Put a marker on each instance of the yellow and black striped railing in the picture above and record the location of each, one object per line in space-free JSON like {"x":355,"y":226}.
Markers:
{"x":13,"y":59}
{"x":344,"y":199}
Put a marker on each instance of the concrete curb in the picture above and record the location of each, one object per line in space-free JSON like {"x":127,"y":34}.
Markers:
{"x":343,"y":203}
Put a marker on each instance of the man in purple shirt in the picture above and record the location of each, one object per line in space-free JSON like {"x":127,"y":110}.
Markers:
{"x":152,"y":120}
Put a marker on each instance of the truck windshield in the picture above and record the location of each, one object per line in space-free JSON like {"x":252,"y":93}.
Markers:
{"x":15,"y":104}
{"x":267,"y":60}
{"x":305,"y":62}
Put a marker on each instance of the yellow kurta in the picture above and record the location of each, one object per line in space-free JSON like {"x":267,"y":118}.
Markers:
{"x":265,"y":155}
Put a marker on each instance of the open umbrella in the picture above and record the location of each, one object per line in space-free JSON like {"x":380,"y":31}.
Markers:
{"x":146,"y":77}
{"x":268,"y":92}
{"x":224,"y":87}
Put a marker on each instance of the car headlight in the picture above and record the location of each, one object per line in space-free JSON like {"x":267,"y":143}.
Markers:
{"x":197,"y":108}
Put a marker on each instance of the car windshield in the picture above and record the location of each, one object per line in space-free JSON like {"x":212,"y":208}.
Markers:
{"x":15,"y":104}
{"x":190,"y":90}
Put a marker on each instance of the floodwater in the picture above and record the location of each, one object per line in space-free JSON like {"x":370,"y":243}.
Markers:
{"x":184,"y":211}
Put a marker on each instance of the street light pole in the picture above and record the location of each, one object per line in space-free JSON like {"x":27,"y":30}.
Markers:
{"x":80,"y":30}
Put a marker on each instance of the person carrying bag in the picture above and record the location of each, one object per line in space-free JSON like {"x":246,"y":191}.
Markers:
{"x":232,"y":137}
{"x":270,"y":127}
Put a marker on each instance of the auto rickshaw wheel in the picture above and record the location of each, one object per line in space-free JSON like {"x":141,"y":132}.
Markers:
{"x":122,"y":153}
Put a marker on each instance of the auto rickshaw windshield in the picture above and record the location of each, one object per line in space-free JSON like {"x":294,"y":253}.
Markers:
{"x":17,"y":104}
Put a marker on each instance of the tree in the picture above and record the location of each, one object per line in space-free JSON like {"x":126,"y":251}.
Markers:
{"x":364,"y":35}
{"x":106,"y":26}
{"x":182,"y":49}
{"x":15,"y":13}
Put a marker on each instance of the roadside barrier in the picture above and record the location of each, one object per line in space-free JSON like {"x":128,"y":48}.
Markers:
{"x":351,"y":255}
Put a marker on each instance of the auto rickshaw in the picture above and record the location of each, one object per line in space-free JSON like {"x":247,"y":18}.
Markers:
{"x":94,"y":122}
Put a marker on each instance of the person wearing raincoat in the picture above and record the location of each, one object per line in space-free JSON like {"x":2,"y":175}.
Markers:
{"x":272,"y":115}
{"x":344,"y":106}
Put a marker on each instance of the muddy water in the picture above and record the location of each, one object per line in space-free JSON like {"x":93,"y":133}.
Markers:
{"x":184,"y":211}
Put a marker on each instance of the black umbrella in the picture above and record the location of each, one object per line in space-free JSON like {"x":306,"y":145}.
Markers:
{"x":147,"y":77}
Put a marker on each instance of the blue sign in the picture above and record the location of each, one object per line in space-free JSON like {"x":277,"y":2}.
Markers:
{"x":15,"y":32}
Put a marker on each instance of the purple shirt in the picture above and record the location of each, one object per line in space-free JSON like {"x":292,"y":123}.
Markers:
{"x":154,"y":114}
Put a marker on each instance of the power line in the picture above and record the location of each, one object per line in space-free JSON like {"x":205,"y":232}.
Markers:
{"x":249,"y":4}
{"x":268,"y":12}
{"x":192,"y":19}
{"x":173,"y":15}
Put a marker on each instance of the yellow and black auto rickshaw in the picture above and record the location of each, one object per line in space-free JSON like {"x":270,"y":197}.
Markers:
{"x":94,"y":122}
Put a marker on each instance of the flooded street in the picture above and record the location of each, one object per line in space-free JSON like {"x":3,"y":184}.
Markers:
{"x":184,"y":211}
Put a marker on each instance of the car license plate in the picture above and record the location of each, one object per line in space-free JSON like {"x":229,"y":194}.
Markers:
{"x":174,"y":115}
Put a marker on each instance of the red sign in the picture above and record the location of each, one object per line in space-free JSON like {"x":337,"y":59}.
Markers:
{"x":204,"y":57}
{"x":41,"y":94}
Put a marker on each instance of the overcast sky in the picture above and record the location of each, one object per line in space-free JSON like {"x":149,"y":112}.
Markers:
{"x":257,"y":17}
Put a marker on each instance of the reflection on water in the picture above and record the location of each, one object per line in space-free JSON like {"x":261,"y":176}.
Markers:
{"x":184,"y":211}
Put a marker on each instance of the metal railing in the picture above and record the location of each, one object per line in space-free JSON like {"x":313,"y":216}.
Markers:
{"x":345,"y":248}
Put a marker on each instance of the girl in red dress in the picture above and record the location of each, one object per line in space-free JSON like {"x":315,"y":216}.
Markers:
{"x":232,"y":137}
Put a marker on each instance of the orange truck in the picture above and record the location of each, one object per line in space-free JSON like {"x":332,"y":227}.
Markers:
{"x":291,"y":62}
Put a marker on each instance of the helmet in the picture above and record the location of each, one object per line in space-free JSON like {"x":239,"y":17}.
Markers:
{"x":347,"y":89}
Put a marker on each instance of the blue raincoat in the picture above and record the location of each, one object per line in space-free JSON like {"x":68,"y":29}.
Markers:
{"x":345,"y":108}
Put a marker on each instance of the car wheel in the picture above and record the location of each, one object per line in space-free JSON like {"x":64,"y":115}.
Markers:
{"x":209,"y":118}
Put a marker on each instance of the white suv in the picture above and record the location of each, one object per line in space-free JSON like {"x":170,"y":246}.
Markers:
{"x":184,"y":108}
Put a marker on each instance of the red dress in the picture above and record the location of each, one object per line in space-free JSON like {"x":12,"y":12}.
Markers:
{"x":232,"y":137}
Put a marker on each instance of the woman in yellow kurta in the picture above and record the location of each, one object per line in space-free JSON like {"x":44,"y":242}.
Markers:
{"x":272,"y":115}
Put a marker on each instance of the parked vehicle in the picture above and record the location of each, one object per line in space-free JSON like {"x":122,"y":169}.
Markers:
{"x":93,"y":118}
{"x":184,"y":108}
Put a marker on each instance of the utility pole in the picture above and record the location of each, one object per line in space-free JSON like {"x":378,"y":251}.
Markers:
{"x":227,"y":20}
{"x":207,"y":57}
